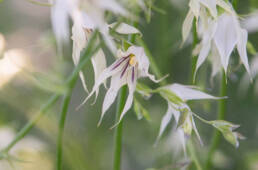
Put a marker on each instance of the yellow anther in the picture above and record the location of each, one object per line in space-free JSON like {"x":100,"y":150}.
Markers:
{"x":132,"y":60}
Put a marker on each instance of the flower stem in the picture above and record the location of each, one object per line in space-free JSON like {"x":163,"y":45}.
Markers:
{"x":119,"y":129}
{"x":53,"y":99}
{"x":221,"y":115}
{"x":190,"y":145}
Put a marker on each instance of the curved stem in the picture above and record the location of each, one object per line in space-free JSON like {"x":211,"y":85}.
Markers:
{"x":53,"y":99}
{"x":66,"y":101}
{"x":119,"y":129}
{"x":221,"y":115}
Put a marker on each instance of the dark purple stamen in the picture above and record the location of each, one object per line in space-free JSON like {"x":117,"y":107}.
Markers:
{"x":124,"y":69}
{"x":119,"y":62}
{"x":133,"y":74}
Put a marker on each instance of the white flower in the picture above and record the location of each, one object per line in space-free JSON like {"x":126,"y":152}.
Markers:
{"x":220,"y":38}
{"x":60,"y":22}
{"x":177,"y":95}
{"x":126,"y":70}
{"x":198,"y":9}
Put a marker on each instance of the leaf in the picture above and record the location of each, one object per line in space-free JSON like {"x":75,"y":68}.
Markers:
{"x":140,"y":111}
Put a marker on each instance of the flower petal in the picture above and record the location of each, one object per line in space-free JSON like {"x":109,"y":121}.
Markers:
{"x":60,"y":22}
{"x":79,"y":42}
{"x":211,"y":5}
{"x":215,"y":61}
{"x":187,"y":25}
{"x":189,"y":93}
{"x":225,"y":38}
{"x":129,"y":101}
{"x":206,"y":44}
{"x":241,"y":47}
{"x":99,"y":64}
{"x":195,"y":8}
{"x":196,"y":131}
{"x":164,"y":123}
{"x":111,"y":94}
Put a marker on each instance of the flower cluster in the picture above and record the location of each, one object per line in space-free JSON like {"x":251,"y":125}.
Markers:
{"x":220,"y":33}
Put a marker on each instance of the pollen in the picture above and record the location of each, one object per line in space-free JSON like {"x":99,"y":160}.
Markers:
{"x":132,"y":60}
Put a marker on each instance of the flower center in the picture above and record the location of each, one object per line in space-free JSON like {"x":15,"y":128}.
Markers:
{"x":132,"y":60}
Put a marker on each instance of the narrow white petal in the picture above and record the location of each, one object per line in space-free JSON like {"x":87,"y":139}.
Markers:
{"x":211,"y":5}
{"x":99,"y":64}
{"x":60,"y":22}
{"x":79,"y":42}
{"x":206,"y":43}
{"x":196,"y":131}
{"x":187,"y":25}
{"x":189,"y":93}
{"x":124,"y":28}
{"x":206,"y":46}
{"x":241,"y":47}
{"x":129,"y":101}
{"x":111,"y":95}
{"x":164,"y":123}
{"x":101,"y":79}
{"x":195,"y":7}
{"x":225,"y":38}
{"x":215,"y":61}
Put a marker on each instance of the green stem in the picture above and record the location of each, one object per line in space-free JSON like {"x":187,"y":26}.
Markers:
{"x":221,"y":115}
{"x":53,"y":99}
{"x":195,"y":58}
{"x":66,"y":101}
{"x":119,"y":129}
{"x":190,"y":146}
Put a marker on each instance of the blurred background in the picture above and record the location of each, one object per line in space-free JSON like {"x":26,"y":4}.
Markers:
{"x":31,"y":53}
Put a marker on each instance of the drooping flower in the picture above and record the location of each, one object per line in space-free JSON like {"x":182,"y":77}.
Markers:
{"x":198,"y":9}
{"x":219,"y":38}
{"x":126,"y":70}
{"x":177,"y":95}
{"x":87,"y":16}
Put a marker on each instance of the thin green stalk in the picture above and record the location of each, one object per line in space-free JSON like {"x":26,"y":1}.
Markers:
{"x":221,"y":111}
{"x":195,"y":58}
{"x":221,"y":115}
{"x":65,"y":105}
{"x":53,"y":99}
{"x":119,"y":129}
{"x":66,"y":101}
{"x":190,"y":146}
